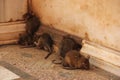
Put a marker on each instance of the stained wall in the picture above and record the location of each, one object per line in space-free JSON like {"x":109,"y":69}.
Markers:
{"x":94,"y":20}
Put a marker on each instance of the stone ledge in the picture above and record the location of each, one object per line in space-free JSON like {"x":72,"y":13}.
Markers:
{"x":102,"y":57}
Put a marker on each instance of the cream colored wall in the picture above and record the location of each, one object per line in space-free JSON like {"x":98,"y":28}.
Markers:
{"x":12,"y":9}
{"x":2,"y":14}
{"x":94,"y":20}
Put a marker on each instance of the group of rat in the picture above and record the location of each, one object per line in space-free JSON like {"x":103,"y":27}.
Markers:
{"x":69,"y":49}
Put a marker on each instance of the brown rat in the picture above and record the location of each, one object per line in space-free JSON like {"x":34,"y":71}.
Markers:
{"x":74,"y":60}
{"x":45,"y":42}
{"x":25,"y":40}
{"x":68,"y":44}
{"x":32,"y":25}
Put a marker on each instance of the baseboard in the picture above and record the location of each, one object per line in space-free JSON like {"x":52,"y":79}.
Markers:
{"x":102,"y":57}
{"x":9,"y":32}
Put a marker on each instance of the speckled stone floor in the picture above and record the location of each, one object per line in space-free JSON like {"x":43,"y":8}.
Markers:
{"x":29,"y":64}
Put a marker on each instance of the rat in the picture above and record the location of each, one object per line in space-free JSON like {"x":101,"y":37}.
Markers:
{"x":68,"y":44}
{"x":74,"y":60}
{"x":45,"y":42}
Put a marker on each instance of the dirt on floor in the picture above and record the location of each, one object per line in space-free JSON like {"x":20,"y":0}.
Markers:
{"x":29,"y":63}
